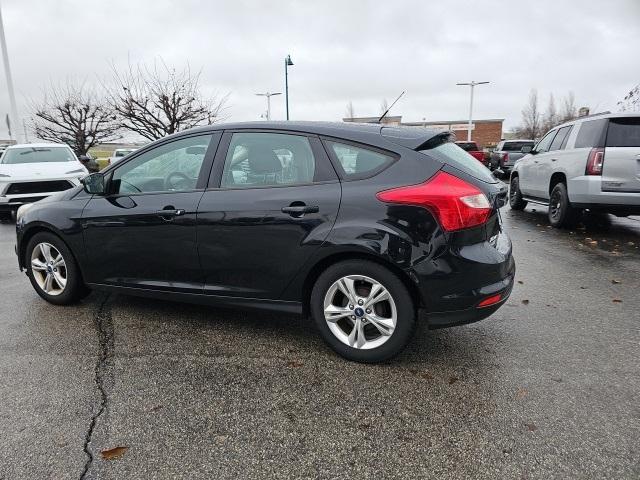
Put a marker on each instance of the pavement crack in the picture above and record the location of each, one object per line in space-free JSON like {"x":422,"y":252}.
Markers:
{"x":104,"y":326}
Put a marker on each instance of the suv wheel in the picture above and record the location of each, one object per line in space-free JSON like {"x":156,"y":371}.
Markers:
{"x":363,"y":311}
{"x":561,"y":213}
{"x":515,"y":195}
{"x":52,"y":269}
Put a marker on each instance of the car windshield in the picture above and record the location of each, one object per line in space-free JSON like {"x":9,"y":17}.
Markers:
{"x":37,"y":155}
{"x":516,"y":146}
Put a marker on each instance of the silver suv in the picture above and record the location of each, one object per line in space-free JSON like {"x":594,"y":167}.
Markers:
{"x":590,"y":163}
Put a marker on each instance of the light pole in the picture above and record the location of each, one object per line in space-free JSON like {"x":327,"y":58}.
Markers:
{"x":287,"y":63}
{"x":268,"y":95}
{"x":472,"y":84}
{"x":7,"y":72}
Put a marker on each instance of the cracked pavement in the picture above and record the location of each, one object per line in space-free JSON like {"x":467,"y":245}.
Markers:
{"x":547,"y":388}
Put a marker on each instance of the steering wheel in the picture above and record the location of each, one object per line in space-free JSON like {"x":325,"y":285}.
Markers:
{"x":169,"y":180}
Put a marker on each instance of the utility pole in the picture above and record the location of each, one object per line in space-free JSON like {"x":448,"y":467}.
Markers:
{"x":7,"y":72}
{"x":268,"y":95}
{"x":287,"y":64}
{"x":472,"y":84}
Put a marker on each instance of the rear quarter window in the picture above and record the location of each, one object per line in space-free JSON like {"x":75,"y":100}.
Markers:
{"x":358,"y":162}
{"x":453,"y":155}
{"x":591,"y":134}
{"x":624,"y":132}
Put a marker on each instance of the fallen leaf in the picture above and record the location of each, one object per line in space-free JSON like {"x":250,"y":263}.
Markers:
{"x":426,"y":376}
{"x":113,"y":453}
{"x":616,"y":300}
{"x":155,"y":408}
{"x":525,"y":302}
{"x":521,"y":393}
{"x":583,"y":288}
{"x":531,"y":427}
{"x":593,"y":242}
{"x":452,"y":380}
{"x":520,"y":282}
{"x":294,"y":363}
{"x":557,"y":379}
{"x":220,"y":439}
{"x":613,"y":280}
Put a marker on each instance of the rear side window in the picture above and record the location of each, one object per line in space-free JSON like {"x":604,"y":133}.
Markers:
{"x":453,"y":155}
{"x":559,"y":141}
{"x":624,"y":132}
{"x":358,"y":161}
{"x":591,"y":134}
{"x":515,"y":146}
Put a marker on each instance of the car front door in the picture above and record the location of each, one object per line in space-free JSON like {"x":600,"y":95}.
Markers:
{"x":142,"y":233}
{"x":272,"y":201}
{"x":535,"y":185}
{"x":552,"y":161}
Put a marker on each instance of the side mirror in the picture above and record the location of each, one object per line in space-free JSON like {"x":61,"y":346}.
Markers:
{"x":94,"y":184}
{"x":527,"y":149}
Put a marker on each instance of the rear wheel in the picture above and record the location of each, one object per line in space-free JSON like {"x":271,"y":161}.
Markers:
{"x":52,"y":269}
{"x":561,"y":213}
{"x":363,"y":311}
{"x":516,"y":201}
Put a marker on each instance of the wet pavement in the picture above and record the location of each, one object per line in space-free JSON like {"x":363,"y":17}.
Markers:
{"x":547,"y":387}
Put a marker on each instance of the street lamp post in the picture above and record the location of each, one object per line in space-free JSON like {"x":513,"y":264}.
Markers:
{"x":268,"y":95}
{"x":287,"y":64}
{"x":472,"y":84}
{"x":7,"y":72}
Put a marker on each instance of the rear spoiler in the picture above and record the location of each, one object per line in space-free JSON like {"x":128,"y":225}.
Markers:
{"x":416,"y":138}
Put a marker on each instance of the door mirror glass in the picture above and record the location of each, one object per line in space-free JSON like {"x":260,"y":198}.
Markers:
{"x":94,"y":184}
{"x":527,"y":149}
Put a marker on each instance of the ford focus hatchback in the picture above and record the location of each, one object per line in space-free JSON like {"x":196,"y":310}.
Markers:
{"x":360,"y":227}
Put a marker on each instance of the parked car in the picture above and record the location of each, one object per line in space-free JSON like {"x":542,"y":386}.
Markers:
{"x":591,"y":163}
{"x":89,"y":162}
{"x":472,"y":149}
{"x":360,"y":226}
{"x":119,"y":154}
{"x":31,"y":172}
{"x":505,"y":155}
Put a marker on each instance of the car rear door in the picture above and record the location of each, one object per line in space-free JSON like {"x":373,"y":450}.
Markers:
{"x":142,"y":234}
{"x":621,"y":167}
{"x":272,"y":199}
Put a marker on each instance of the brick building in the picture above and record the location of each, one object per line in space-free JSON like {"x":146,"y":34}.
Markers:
{"x":485,"y":133}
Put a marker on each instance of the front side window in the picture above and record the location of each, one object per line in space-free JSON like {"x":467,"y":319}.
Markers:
{"x":544,"y":144}
{"x":256,"y":159}
{"x":559,"y":141}
{"x":357,"y":161}
{"x":38,"y":155}
{"x":172,"y":167}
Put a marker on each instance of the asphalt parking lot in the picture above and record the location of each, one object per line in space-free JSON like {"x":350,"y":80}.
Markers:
{"x":547,"y":387}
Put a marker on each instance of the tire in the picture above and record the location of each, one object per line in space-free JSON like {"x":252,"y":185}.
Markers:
{"x":57,"y":293}
{"x":561,"y":213}
{"x":363,"y":278}
{"x":516,"y":201}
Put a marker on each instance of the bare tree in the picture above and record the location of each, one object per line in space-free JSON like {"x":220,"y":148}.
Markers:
{"x":531,"y":124}
{"x":73,"y":114}
{"x":155,"y":102}
{"x":384,"y":106}
{"x":631,"y":101}
{"x":550,"y":118}
{"x":350,"y":112}
{"x":569,"y":110}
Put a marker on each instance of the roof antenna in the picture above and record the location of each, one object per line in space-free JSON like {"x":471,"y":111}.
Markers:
{"x":394,"y":102}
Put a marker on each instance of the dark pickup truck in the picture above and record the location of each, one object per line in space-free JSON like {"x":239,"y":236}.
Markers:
{"x":504,"y":156}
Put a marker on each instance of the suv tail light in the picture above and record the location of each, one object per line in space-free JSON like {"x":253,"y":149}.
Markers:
{"x":595,"y":161}
{"x":504,"y":158}
{"x":455,"y":203}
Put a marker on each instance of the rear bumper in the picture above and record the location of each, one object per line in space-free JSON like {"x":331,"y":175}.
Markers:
{"x":587,"y":190}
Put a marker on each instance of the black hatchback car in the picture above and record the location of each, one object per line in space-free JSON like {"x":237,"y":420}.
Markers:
{"x":360,"y":226}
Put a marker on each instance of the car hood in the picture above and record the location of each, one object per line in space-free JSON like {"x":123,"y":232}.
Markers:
{"x":41,"y":171}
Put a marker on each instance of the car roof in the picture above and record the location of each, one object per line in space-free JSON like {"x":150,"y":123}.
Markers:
{"x":598,"y":116}
{"x":369,"y":133}
{"x":37,"y":145}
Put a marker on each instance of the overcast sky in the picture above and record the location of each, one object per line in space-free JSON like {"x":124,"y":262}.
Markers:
{"x":359,"y":51}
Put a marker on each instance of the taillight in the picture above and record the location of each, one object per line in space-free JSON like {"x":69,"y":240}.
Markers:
{"x":505,"y":158}
{"x":595,"y":161}
{"x":455,"y":203}
{"x":492,"y":300}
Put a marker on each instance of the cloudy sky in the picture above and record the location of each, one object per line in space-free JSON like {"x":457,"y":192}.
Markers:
{"x":347,"y":50}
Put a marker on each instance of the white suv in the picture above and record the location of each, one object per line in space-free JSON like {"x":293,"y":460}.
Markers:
{"x":589,"y":163}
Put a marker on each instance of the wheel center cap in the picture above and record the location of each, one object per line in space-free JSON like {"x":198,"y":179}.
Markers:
{"x":49,"y":269}
{"x":359,"y":312}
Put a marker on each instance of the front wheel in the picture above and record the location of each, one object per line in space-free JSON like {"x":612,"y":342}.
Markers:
{"x":363,"y":311}
{"x":52,"y":270}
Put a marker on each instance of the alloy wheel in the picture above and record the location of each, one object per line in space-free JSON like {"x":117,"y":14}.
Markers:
{"x":555,"y":206}
{"x":360,"y":311}
{"x":49,"y":268}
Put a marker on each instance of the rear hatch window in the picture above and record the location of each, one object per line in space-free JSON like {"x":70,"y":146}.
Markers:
{"x":624,"y":132}
{"x":515,"y":146}
{"x":453,"y":155}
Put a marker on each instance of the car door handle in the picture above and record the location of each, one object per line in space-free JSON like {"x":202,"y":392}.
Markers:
{"x":171,"y":212}
{"x":299,"y":210}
